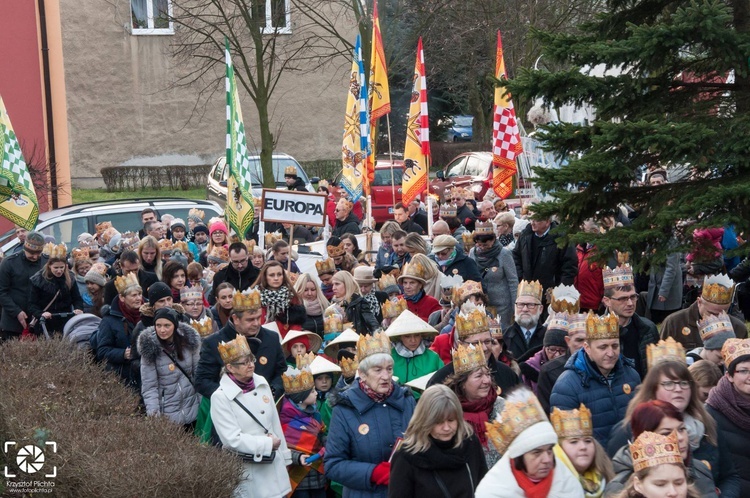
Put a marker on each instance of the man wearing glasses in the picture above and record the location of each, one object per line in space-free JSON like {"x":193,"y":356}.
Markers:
{"x":239,"y":272}
{"x":346,"y":220}
{"x":526,"y":333}
{"x":464,"y":213}
{"x":636,"y":332}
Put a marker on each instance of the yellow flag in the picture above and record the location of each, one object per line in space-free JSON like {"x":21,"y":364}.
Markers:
{"x":353,"y":154}
{"x":417,"y":150}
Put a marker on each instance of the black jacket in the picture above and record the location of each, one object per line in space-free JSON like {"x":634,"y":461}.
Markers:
{"x":410,"y":226}
{"x":548,"y":375}
{"x":515,"y":342}
{"x":552,"y":265}
{"x":420,"y":218}
{"x":114,"y":336}
{"x":145,"y":278}
{"x":239,"y":280}
{"x":462,"y":265}
{"x":466,"y":216}
{"x":349,"y":225}
{"x":505,"y":378}
{"x":358,"y":312}
{"x":15,"y":281}
{"x":735,"y":441}
{"x":42,"y":293}
{"x":270,"y":362}
{"x":299,"y":185}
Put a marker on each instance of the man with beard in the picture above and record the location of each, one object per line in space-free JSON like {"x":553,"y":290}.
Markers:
{"x":526,"y":333}
{"x":400,"y":255}
{"x":550,"y":372}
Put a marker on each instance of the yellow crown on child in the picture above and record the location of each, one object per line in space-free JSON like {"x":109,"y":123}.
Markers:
{"x":181,"y":246}
{"x":127,"y":283}
{"x":349,"y":367}
{"x":448,"y":210}
{"x":204,"y":326}
{"x":221,"y":253}
{"x":271,"y":238}
{"x":234,"y":350}
{"x":602,"y":327}
{"x":715,"y":324}
{"x":718,"y":289}
{"x":101,"y":227}
{"x":335,"y":251}
{"x":58,"y":251}
{"x":165,"y":246}
{"x":392,"y":309}
{"x":471,"y":320}
{"x":304,"y":360}
{"x":325,"y":266}
{"x":129,"y":241}
{"x":484,"y":228}
{"x":530,"y":288}
{"x":79,"y":254}
{"x":468,"y":239}
{"x":734,"y":348}
{"x":368,"y":345}
{"x":469,"y":288}
{"x":247,"y":300}
{"x":651,"y":450}
{"x":333,"y":323}
{"x":669,"y":350}
{"x":619,"y":277}
{"x":385,"y":281}
{"x":467,"y":358}
{"x":516,"y":417}
{"x":572,"y":423}
{"x":297,"y":380}
{"x":197,"y":212}
{"x":565,"y":298}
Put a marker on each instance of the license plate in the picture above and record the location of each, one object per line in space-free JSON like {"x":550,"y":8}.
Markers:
{"x":390,"y":210}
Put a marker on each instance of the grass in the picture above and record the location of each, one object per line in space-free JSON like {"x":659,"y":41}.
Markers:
{"x":99,"y":194}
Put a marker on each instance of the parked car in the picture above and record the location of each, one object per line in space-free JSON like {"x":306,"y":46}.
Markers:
{"x":66,"y":224}
{"x":460,"y":129}
{"x":216,"y":185}
{"x":472,"y":170}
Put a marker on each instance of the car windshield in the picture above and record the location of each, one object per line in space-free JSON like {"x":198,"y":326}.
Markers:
{"x":464,"y":121}
{"x":279,"y":165}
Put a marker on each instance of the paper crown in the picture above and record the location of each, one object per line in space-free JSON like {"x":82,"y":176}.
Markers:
{"x":58,"y":251}
{"x":495,"y":328}
{"x":249,"y":245}
{"x":471,"y":320}
{"x":467,"y":358}
{"x":651,"y":450}
{"x":271,"y":238}
{"x":559,"y":321}
{"x":484,"y":228}
{"x":325,"y":266}
{"x":733,"y":349}
{"x":718,"y":289}
{"x":335,"y":251}
{"x":345,"y":204}
{"x":129,"y":241}
{"x":572,"y":423}
{"x":220,"y":253}
{"x":385,"y":281}
{"x":101,"y":269}
{"x":234,"y":350}
{"x":622,"y":257}
{"x":198,"y":213}
{"x":448,"y":210}
{"x":668,"y":350}
{"x":204,"y":326}
{"x":107,"y":234}
{"x":458,"y":192}
{"x":468,"y":239}
{"x":79,"y":254}
{"x":290,"y":170}
{"x":247,"y":300}
{"x":516,"y":417}
{"x":304,"y":360}
{"x":101,"y":227}
{"x":368,"y":345}
{"x":450,"y":281}
{"x":469,"y":288}
{"x":565,"y":298}
{"x":165,"y":246}
{"x":297,"y":381}
{"x":713,"y":325}
{"x":127,"y":283}
{"x":414,"y":270}
{"x":293,"y":277}
{"x":349,"y":367}
{"x":191,"y":293}
{"x":619,"y":277}
{"x":602,"y":327}
{"x":531,"y":289}
{"x":181,"y":246}
{"x":392,"y":309}
{"x":333,"y":323}
{"x":576,"y":323}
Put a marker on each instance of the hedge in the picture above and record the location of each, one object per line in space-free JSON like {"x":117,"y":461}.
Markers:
{"x":51,"y":391}
{"x":120,"y":178}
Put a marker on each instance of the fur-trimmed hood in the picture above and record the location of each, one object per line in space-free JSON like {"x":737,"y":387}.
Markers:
{"x":150,"y":348}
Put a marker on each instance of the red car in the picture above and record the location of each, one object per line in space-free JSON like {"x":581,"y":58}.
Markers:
{"x":385,"y":191}
{"x":472,"y":170}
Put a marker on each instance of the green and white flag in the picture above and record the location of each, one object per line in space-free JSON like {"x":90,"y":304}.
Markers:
{"x":18,"y":200}
{"x":239,"y":209}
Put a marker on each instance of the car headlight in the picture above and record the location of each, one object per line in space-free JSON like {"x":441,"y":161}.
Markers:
{"x":464,"y":135}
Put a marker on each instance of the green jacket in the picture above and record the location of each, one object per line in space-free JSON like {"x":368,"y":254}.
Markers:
{"x":408,"y":369}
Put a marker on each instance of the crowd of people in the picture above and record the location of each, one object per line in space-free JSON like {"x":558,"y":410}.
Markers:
{"x":486,"y":360}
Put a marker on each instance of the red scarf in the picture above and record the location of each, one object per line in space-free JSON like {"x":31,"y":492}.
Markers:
{"x":530,"y":488}
{"x":476,"y":413}
{"x":373,"y":395}
{"x":131,"y":315}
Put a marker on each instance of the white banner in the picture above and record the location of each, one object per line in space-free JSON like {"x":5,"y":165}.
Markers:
{"x":297,"y":208}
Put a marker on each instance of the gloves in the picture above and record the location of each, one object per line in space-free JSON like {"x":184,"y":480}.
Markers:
{"x":381,"y":474}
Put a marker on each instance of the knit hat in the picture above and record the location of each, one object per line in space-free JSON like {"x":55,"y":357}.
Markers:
{"x":177,"y":223}
{"x":180,"y":258}
{"x":97,"y":275}
{"x":34,"y":242}
{"x":200,"y":228}
{"x":217,"y":225}
{"x":167,"y":313}
{"x":157,"y":291}
{"x":555,"y":337}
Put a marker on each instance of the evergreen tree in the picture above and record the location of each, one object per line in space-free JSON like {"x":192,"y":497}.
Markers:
{"x":675,"y":96}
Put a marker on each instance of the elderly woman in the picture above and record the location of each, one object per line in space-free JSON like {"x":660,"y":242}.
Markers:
{"x":440,"y":455}
{"x":504,"y":228}
{"x":314,"y":301}
{"x":356,"y":310}
{"x":363,"y":275}
{"x":366,"y":421}
{"x":413,"y":279}
{"x":192,"y":302}
{"x":385,"y":249}
{"x":528,"y":468}
{"x":247,"y":422}
{"x":411,"y":355}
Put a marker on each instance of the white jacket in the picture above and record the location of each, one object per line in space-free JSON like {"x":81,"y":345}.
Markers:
{"x":499,"y":482}
{"x":239,"y":432}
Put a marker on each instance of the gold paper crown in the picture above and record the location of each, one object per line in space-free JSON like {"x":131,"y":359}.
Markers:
{"x":290,"y":170}
{"x":234,"y":350}
{"x":495,"y":329}
{"x":108,"y":234}
{"x":127,"y":283}
{"x":369,"y":345}
{"x":393,"y":309}
{"x":221,"y":253}
{"x":165,"y":246}
{"x":565,"y":298}
{"x":448,"y":211}
{"x":197,"y":212}
{"x":181,"y":246}
{"x":247,"y":300}
{"x":129,"y":240}
{"x":249,"y":245}
{"x":733,"y":349}
{"x":572,"y":423}
{"x":715,"y":324}
{"x":559,"y":321}
{"x":297,"y":381}
{"x":619,"y":277}
{"x":602,"y":327}
{"x":325,"y":266}
{"x":718,"y":289}
{"x":335,"y":251}
{"x":304,"y":360}
{"x":349,"y":366}
{"x":516,"y":417}
{"x":471,"y":320}
{"x":576,"y":323}
{"x":292,"y":276}
{"x":467,"y":358}
{"x":622,"y":257}
{"x":414,"y":270}
{"x":345,"y":203}
{"x":668,"y":350}
{"x":385,"y":281}
{"x":652,"y":449}
{"x":100,"y":227}
{"x":458,"y":192}
{"x":468,"y":239}
{"x":484,"y":228}
{"x":204,"y":326}
{"x":100,"y":268}
{"x":79,"y":254}
{"x":469,"y":288}
{"x":271,"y":238}
{"x":531,"y":289}
{"x":333,"y":323}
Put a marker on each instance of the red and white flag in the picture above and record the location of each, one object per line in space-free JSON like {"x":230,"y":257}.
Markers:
{"x":506,"y":139}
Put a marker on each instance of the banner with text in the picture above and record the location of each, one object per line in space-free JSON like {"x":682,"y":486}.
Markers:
{"x":297,"y":208}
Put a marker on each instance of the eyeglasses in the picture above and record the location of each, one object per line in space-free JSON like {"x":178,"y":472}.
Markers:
{"x":743,"y":372}
{"x":456,"y":198}
{"x":192,"y":304}
{"x":529,"y":306}
{"x":554,"y":350}
{"x":633,"y":298}
{"x":669,"y":385}
{"x":486,"y":342}
{"x":245,"y":363}
{"x":240,"y":262}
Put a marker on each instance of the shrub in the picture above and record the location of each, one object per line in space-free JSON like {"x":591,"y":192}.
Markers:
{"x":119,"y":178}
{"x":325,"y":169}
{"x":53,"y":392}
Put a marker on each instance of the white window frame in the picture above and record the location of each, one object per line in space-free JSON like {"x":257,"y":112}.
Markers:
{"x":151,"y":30}
{"x":269,"y":29}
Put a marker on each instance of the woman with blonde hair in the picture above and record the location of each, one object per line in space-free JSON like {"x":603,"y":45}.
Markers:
{"x":351,"y":305}
{"x":314,"y":301}
{"x":150,"y":255}
{"x":440,"y":454}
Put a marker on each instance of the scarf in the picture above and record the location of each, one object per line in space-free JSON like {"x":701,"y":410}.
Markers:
{"x":733,"y":405}
{"x":695,"y":429}
{"x":387,"y":247}
{"x":313,"y":307}
{"x":476,"y":413}
{"x":175,"y":295}
{"x":133,"y":316}
{"x":245,"y":386}
{"x":443,"y":263}
{"x":223,"y":315}
{"x":487,"y":259}
{"x":531,"y":488}
{"x":275,"y":301}
{"x":327,"y":291}
{"x":405,"y":352}
{"x":592,"y":481}
{"x":375,"y":396}
{"x":416,"y":297}
{"x":372,"y":300}
{"x":505,"y":239}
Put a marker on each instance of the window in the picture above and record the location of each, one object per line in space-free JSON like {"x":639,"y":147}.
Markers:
{"x":383,"y":177}
{"x":474,"y":167}
{"x":456,"y":168}
{"x":66,"y":231}
{"x":278,"y":17}
{"x":151,"y":17}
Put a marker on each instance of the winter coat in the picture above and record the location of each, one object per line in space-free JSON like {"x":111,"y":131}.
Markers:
{"x":501,"y":483}
{"x":458,"y":234}
{"x":460,"y":469}
{"x":114,"y":336}
{"x":408,"y":369}
{"x":147,"y":320}
{"x":553,"y":265}
{"x":145,"y":278}
{"x":358,"y":312}
{"x":737,"y":441}
{"x":531,"y":368}
{"x":505,"y":378}
{"x":548,"y":375}
{"x":15,"y":282}
{"x":349,"y":225}
{"x":42,"y":292}
{"x":270,"y":364}
{"x":164,"y":387}
{"x":239,"y":432}
{"x":606,"y":397}
{"x":461,"y":265}
{"x":362,"y":435}
{"x":647,"y":334}
{"x":240,"y":280}
{"x":675,"y":323}
{"x":515,"y":342}
{"x":666,"y":281}
{"x":410,"y":226}
{"x":299,"y":185}
{"x":589,"y":280}
{"x":314,"y":324}
{"x":500,"y":284}
{"x":424,"y":306}
{"x":382,"y":257}
{"x":466,"y":216}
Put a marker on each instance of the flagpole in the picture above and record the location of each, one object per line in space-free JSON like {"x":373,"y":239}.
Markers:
{"x":390,"y":156}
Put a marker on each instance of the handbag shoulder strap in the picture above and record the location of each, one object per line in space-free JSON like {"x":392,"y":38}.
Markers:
{"x":251,"y":415}
{"x":51,"y":302}
{"x":441,"y":484}
{"x":179,"y":367}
